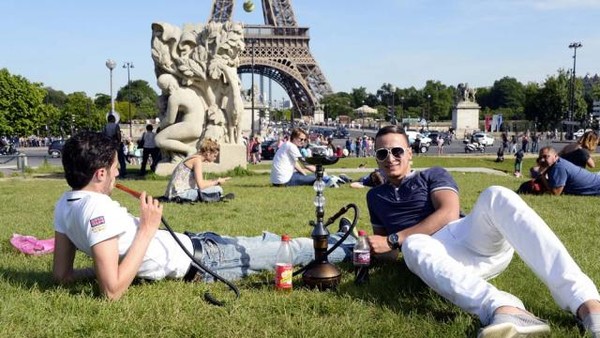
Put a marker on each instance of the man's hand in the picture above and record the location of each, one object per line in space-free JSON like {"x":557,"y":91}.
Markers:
{"x":379,"y":244}
{"x":222,"y":180}
{"x":150,"y":214}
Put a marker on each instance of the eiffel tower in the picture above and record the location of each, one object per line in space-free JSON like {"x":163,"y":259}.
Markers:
{"x":279,"y":50}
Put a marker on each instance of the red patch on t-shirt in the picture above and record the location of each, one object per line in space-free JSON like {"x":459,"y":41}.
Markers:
{"x":94,"y":222}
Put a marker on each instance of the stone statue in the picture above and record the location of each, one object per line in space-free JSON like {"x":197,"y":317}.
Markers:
{"x":464,"y":93}
{"x":196,"y":68}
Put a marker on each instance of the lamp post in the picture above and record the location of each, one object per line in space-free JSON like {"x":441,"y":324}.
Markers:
{"x":573,"y":45}
{"x":393,"y":91}
{"x":111,"y":64}
{"x":252,"y":42}
{"x":129,"y":65}
{"x":402,"y":111}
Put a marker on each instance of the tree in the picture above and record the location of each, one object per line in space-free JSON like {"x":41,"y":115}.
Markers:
{"x":57,"y":98}
{"x":337,"y":104}
{"x":21,"y":104}
{"x":102,"y":102}
{"x":359,"y":96}
{"x":507,"y":93}
{"x":142,"y":96}
{"x":80,"y":113}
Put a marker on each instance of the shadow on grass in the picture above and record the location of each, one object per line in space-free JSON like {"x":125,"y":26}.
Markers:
{"x":43,"y":282}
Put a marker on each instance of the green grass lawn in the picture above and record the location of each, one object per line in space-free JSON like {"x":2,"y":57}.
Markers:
{"x":395,"y":303}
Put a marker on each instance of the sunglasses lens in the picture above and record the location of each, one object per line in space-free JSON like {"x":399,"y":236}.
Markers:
{"x":397,"y":152}
{"x":381,"y":154}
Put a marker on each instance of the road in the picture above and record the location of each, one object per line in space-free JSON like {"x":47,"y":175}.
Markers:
{"x":36,"y":156}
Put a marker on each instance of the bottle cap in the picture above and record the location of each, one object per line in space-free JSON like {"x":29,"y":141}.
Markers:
{"x":285,"y":238}
{"x":362,"y":233}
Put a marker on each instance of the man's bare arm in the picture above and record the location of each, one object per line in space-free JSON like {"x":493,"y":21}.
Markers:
{"x":64,"y":256}
{"x":447,"y":209}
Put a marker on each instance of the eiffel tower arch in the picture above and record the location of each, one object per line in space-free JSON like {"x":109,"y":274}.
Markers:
{"x":279,"y":50}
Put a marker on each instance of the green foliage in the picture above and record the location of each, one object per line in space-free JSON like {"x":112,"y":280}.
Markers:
{"x":20,"y":105}
{"x":337,"y":104}
{"x":142,"y":97}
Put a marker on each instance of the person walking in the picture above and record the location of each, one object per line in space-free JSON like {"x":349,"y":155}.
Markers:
{"x":150,"y":149}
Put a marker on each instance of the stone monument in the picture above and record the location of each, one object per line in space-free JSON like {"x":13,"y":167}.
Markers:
{"x":465,"y":115}
{"x":196,"y":69}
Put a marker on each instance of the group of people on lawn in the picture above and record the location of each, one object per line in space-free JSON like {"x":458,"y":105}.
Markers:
{"x":412,"y":212}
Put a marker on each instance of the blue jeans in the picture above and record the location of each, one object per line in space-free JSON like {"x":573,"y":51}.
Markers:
{"x":237,"y":257}
{"x":299,"y":179}
{"x":192,"y":194}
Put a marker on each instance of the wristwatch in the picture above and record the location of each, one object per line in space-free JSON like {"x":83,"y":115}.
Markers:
{"x":392,"y":241}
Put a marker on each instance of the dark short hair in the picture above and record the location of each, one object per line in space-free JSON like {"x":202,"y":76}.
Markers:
{"x":296,"y":132}
{"x":149,"y":127}
{"x":83,"y":154}
{"x":391,"y":129}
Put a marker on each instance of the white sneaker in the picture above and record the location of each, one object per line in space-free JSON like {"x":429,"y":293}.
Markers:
{"x":505,"y":325}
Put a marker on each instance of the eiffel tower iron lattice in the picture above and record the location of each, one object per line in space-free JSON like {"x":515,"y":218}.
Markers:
{"x":279,"y":50}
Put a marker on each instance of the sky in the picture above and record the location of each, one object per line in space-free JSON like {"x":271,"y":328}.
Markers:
{"x":357,"y":43}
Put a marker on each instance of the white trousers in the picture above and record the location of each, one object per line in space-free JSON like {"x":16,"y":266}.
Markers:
{"x":457,"y":260}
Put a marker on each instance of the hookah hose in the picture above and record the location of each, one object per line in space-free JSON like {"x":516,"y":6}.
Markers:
{"x":207,"y":296}
{"x":332,"y":219}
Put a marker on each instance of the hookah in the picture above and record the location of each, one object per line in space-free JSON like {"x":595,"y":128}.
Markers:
{"x":320,"y":273}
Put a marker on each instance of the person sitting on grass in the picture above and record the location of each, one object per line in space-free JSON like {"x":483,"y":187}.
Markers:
{"x":579,"y":153}
{"x":289,"y":167}
{"x":418,"y":212}
{"x":559,"y":176}
{"x":123,"y":247}
{"x":188,"y":183}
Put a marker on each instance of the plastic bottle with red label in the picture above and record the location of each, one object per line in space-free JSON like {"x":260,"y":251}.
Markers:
{"x":361,"y":258}
{"x":284,"y":265}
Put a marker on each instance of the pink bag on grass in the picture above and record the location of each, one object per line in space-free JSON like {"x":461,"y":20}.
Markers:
{"x":32,"y":246}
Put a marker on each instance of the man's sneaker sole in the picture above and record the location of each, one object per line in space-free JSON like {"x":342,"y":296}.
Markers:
{"x":510,"y":330}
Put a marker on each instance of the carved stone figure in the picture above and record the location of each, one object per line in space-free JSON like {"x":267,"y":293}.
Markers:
{"x":196,"y":68}
{"x":464,"y":93}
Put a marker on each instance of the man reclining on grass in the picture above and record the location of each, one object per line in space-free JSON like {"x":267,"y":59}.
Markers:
{"x":418,"y":212}
{"x":559,"y":176}
{"x":123,"y":246}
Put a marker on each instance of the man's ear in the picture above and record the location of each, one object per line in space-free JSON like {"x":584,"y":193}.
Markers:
{"x":100,"y":174}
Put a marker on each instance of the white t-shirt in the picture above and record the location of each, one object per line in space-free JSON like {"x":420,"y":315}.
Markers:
{"x":283,"y":163}
{"x":88,"y":218}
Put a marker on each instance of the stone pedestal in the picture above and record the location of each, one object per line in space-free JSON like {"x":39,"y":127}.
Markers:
{"x":465,"y":117}
{"x":230,"y":156}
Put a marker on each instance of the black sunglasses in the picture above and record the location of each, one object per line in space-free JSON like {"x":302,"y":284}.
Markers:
{"x":382,"y":153}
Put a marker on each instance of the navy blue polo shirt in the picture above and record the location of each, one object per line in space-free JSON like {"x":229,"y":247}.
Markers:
{"x":397,"y":208}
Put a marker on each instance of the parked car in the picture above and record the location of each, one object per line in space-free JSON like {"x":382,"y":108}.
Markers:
{"x":579,"y":133}
{"x":55,"y":148}
{"x":425,"y":141}
{"x":341,"y":133}
{"x":483,"y":139}
{"x":268,"y":149}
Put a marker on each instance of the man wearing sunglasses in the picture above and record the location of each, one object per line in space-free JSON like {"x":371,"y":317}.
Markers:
{"x":287,"y":169}
{"x":418,"y":213}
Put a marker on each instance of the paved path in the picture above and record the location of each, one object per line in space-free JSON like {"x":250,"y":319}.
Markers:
{"x":368,"y":170}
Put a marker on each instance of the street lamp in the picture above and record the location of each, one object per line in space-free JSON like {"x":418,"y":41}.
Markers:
{"x":129,"y":65}
{"x":573,"y":45}
{"x":252,"y":42}
{"x":402,"y":111}
{"x":393,"y":91}
{"x":111,"y":64}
